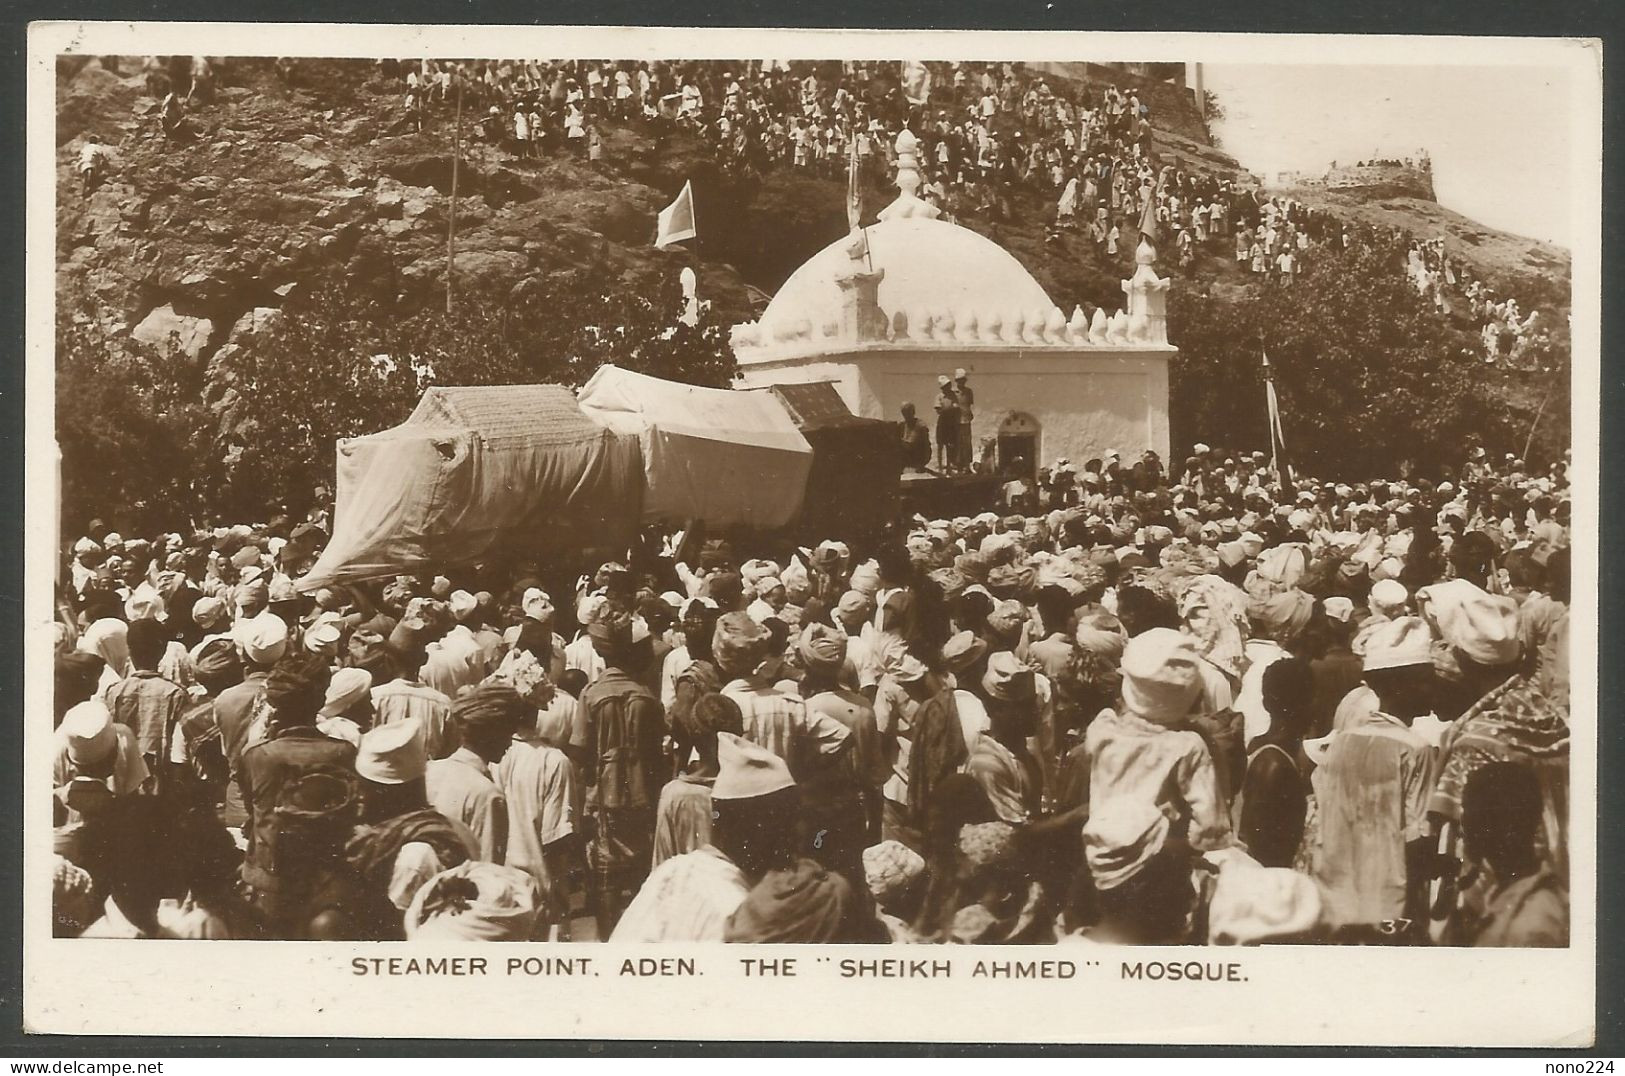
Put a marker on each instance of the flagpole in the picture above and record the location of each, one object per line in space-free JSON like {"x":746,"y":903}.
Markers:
{"x":854,"y":199}
{"x":693,"y":214}
{"x":1530,"y":440}
{"x":451,"y":219}
{"x":1269,"y":411}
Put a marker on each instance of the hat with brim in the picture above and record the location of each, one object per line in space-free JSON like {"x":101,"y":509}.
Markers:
{"x":747,"y":770}
{"x":962,"y":651}
{"x":1008,"y":679}
{"x":346,"y":688}
{"x":88,"y":730}
{"x":393,"y":754}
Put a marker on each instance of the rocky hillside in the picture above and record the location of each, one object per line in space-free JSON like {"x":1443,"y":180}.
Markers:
{"x":278,"y":188}
{"x":281,"y":187}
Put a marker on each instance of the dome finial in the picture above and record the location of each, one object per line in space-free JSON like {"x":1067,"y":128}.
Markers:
{"x":908,"y":203}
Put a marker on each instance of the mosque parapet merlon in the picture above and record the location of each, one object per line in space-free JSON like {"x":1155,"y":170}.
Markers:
{"x":1144,"y":323}
{"x":863,"y":324}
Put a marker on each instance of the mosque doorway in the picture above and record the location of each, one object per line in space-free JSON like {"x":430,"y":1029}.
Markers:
{"x":1017,"y":446}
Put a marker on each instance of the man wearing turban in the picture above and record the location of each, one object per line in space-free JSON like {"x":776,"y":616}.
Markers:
{"x":698,"y":675}
{"x":280,"y":864}
{"x":755,"y":807}
{"x":811,"y":742}
{"x":1371,"y":789}
{"x":1508,"y":716}
{"x":460,"y":786}
{"x":401,"y":842}
{"x":1000,"y":761}
{"x":544,"y":795}
{"x":823,"y":653}
{"x":1278,"y":626}
{"x":683,"y":815}
{"x":841,"y":806}
{"x":626,"y":763}
{"x":1146,"y":752}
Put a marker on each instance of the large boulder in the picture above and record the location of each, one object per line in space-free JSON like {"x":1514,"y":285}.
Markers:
{"x":424,"y":202}
{"x":252,"y":323}
{"x":489,"y":267}
{"x":93,"y":100}
{"x":476,"y":269}
{"x":171,"y":332}
{"x":311,"y":165}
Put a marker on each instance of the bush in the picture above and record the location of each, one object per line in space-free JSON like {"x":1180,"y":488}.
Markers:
{"x":129,"y":425}
{"x":1370,"y":379}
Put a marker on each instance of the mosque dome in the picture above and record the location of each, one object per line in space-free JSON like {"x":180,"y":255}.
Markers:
{"x":931,"y":267}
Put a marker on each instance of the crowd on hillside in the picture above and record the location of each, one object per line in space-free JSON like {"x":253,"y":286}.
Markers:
{"x":1507,"y":331}
{"x":1145,"y":704}
{"x":987,"y":131}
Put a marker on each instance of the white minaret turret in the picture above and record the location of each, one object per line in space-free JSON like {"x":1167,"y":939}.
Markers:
{"x":691,"y":297}
{"x":861,"y":316}
{"x":1147,"y":299}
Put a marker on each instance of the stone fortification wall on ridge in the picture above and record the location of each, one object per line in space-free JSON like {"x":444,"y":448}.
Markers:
{"x":1377,"y":180}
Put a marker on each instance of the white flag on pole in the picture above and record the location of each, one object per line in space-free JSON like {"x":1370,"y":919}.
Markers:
{"x":854,"y":196}
{"x":677,"y":220}
{"x":916,"y":82}
{"x":1275,"y":417}
{"x":1277,"y":438}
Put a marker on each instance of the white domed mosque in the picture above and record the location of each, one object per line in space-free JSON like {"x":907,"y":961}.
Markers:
{"x":883,"y":312}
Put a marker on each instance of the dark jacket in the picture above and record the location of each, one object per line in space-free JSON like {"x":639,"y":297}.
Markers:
{"x":628,"y":734}
{"x":267,"y":769}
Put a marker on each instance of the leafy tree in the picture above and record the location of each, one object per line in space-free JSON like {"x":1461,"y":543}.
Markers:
{"x":1370,"y":379}
{"x":256,"y":430}
{"x":127,"y":423}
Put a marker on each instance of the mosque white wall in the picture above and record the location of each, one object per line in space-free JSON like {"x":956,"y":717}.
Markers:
{"x":1084,"y":400}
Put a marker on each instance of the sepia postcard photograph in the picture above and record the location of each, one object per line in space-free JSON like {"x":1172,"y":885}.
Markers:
{"x":550,"y":532}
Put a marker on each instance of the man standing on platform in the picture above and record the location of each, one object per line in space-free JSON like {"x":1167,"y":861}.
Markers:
{"x":947,"y":407}
{"x":967,"y":408}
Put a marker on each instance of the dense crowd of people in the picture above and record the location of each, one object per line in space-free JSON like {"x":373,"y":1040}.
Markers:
{"x":986,"y":131}
{"x":1145,"y":705}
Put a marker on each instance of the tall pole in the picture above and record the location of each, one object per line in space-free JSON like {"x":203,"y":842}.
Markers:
{"x":1270,"y":418}
{"x":451,"y":222}
{"x":1530,"y":440}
